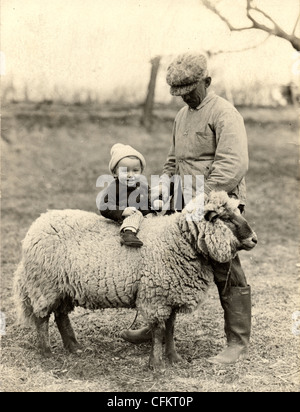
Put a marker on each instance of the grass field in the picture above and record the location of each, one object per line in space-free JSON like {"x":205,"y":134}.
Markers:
{"x":51,"y":158}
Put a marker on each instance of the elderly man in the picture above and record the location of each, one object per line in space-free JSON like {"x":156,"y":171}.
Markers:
{"x":209,"y":139}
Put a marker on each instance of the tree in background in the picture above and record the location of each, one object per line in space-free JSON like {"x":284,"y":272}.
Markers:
{"x":255,"y":16}
{"x":146,"y":119}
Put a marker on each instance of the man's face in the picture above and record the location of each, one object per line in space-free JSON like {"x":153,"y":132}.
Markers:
{"x":195,"y":97}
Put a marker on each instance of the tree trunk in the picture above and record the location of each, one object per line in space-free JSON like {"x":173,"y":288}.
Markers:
{"x":147,"y":115}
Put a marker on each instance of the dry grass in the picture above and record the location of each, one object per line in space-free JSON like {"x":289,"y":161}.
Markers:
{"x":51,"y":159}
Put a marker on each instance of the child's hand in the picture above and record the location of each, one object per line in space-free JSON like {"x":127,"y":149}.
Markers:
{"x":129,"y":211}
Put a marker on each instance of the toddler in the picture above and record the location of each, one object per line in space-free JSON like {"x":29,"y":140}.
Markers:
{"x":126,"y":200}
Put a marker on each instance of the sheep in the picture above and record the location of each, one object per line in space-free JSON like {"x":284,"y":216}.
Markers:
{"x":74,"y":258}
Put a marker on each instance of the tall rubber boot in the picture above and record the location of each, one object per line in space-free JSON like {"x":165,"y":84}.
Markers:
{"x":137,"y":336}
{"x":236,"y":302}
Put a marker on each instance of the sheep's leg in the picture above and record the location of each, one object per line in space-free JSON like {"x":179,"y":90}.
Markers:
{"x":66,"y":331}
{"x":156,"y":360}
{"x":42,"y":328}
{"x":171,"y":352}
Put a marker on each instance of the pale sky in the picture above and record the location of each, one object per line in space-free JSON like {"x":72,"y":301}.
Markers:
{"x":105,"y":46}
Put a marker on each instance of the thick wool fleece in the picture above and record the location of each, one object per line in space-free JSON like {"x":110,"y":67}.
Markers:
{"x":74,"y":258}
{"x":215,"y":241}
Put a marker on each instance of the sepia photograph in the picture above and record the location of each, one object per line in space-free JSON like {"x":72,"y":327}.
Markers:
{"x":150,"y":198}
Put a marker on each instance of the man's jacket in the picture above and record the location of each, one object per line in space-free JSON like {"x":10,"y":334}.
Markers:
{"x":210,"y":141}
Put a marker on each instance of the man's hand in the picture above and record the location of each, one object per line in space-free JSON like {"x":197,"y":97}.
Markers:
{"x":160,"y":192}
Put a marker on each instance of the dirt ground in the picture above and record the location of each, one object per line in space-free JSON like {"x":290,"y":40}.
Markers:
{"x":51,"y":158}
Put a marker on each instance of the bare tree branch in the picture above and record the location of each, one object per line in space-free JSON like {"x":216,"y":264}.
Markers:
{"x":211,"y":7}
{"x":276,"y":30}
{"x":296,"y":24}
{"x":254,"y":46}
{"x":250,"y":7}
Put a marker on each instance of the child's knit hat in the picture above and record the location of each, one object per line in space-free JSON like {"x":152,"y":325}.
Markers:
{"x":119,"y":151}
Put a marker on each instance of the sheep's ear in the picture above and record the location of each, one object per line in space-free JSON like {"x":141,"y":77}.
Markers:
{"x":211,"y":215}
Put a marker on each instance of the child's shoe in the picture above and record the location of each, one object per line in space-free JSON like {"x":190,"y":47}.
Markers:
{"x":129,"y":238}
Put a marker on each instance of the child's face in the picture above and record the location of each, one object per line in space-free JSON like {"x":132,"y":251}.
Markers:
{"x":128,"y":171}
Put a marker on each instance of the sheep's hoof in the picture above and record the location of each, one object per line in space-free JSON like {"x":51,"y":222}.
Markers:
{"x":174,"y":357}
{"x":46,"y":352}
{"x":157,"y":365}
{"x":73,"y":347}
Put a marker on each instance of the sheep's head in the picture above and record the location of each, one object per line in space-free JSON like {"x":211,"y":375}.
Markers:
{"x":219,"y":229}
